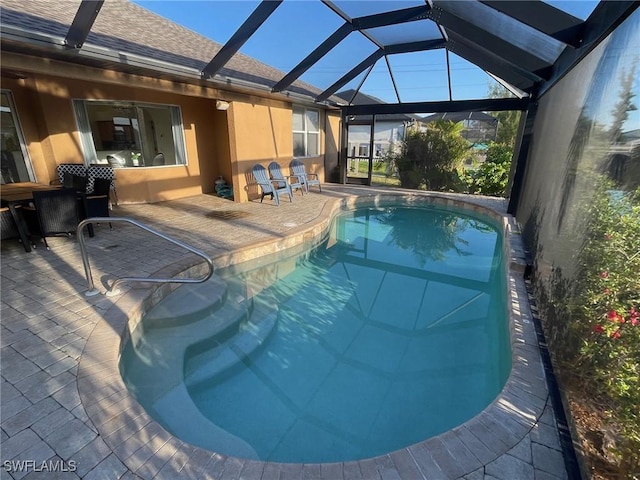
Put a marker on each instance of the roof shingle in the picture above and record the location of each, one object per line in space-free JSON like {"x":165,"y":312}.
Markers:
{"x":126,"y":27}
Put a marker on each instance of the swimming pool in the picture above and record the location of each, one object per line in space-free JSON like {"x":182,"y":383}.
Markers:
{"x":391,"y":331}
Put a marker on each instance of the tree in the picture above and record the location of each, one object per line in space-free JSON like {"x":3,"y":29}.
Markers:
{"x":624,"y":105}
{"x":432,"y":156}
{"x":508,"y":121}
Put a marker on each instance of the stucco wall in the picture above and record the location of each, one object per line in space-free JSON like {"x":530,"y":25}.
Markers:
{"x":332,"y":153}
{"x":43,"y":103}
{"x":261,"y":131}
{"x":218,"y":143}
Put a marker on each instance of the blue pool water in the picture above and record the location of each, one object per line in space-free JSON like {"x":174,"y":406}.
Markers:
{"x":392,"y":331}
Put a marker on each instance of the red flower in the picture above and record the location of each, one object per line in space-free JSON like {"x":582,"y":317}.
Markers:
{"x":606,"y":291}
{"x":634,"y":321}
{"x":604,"y":274}
{"x":598,"y":328}
{"x":615,"y":334}
{"x":613,"y":316}
{"x":633,"y":313}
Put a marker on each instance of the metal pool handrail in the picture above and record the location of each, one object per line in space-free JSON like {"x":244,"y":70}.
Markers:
{"x":112,"y":289}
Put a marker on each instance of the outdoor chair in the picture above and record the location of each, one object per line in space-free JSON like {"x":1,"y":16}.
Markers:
{"x":101,"y":186}
{"x":56,"y":212}
{"x":97,"y":204}
{"x":308,"y":179}
{"x":75,"y":182}
{"x":9,"y":228}
{"x":268,"y":187}
{"x":105,"y":172}
{"x":288,"y":180}
{"x":66,"y":171}
{"x":158,"y":160}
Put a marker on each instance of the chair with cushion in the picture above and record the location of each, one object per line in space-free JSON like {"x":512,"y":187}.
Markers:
{"x":291,"y":181}
{"x":65,"y":170}
{"x":75,"y":182}
{"x":308,"y":179}
{"x":95,"y":172}
{"x":101,"y":186}
{"x":56,"y":212}
{"x":96,"y":204}
{"x":268,"y":187}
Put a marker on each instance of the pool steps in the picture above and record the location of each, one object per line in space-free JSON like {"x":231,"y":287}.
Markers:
{"x":212,"y":363}
{"x":217,"y":326}
{"x":188,"y":305}
{"x":166,"y":346}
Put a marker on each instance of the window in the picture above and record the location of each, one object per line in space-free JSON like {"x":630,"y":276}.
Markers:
{"x":306,"y":132}
{"x":14,"y":162}
{"x":130,"y":134}
{"x":378,"y":150}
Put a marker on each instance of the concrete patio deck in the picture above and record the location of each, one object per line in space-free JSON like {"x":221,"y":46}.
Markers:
{"x":63,"y":407}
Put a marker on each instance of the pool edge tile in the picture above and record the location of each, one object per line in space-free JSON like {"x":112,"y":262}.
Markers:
{"x":479,"y":432}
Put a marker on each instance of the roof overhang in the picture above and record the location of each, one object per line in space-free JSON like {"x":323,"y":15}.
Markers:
{"x":17,"y":40}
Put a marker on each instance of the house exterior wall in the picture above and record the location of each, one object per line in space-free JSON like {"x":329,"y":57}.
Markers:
{"x":261,"y":131}
{"x":332,"y":150}
{"x":218,"y":143}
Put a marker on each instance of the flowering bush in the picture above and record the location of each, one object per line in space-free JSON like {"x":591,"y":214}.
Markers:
{"x":607,"y":315}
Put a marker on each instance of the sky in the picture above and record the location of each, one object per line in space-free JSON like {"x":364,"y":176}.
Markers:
{"x":288,"y":36}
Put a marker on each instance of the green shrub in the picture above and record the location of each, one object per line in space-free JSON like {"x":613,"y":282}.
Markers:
{"x":432,"y":156}
{"x":492,"y":177}
{"x":605,"y":316}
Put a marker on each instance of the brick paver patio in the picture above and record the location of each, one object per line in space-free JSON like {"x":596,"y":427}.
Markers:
{"x":63,"y":407}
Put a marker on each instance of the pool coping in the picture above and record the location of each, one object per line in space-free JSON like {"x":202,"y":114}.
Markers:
{"x":150,"y":451}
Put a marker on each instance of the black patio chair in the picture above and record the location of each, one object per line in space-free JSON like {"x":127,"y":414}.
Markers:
{"x":101,"y":186}
{"x":57,"y":213}
{"x":97,"y":204}
{"x":9,"y":228}
{"x":105,"y":172}
{"x":75,"y":182}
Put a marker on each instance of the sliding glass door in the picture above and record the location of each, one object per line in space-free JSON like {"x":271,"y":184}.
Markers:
{"x":15,"y":165}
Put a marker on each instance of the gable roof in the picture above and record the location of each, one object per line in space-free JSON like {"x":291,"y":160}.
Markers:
{"x":129,"y":38}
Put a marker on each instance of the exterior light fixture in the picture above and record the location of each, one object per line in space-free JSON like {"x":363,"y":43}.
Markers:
{"x":222,"y":105}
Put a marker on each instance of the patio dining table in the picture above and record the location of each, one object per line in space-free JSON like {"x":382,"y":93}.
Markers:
{"x":13,"y":195}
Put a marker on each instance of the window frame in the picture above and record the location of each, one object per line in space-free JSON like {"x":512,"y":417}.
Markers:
{"x":305,"y":132}
{"x":87,"y":143}
{"x":20,"y":134}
